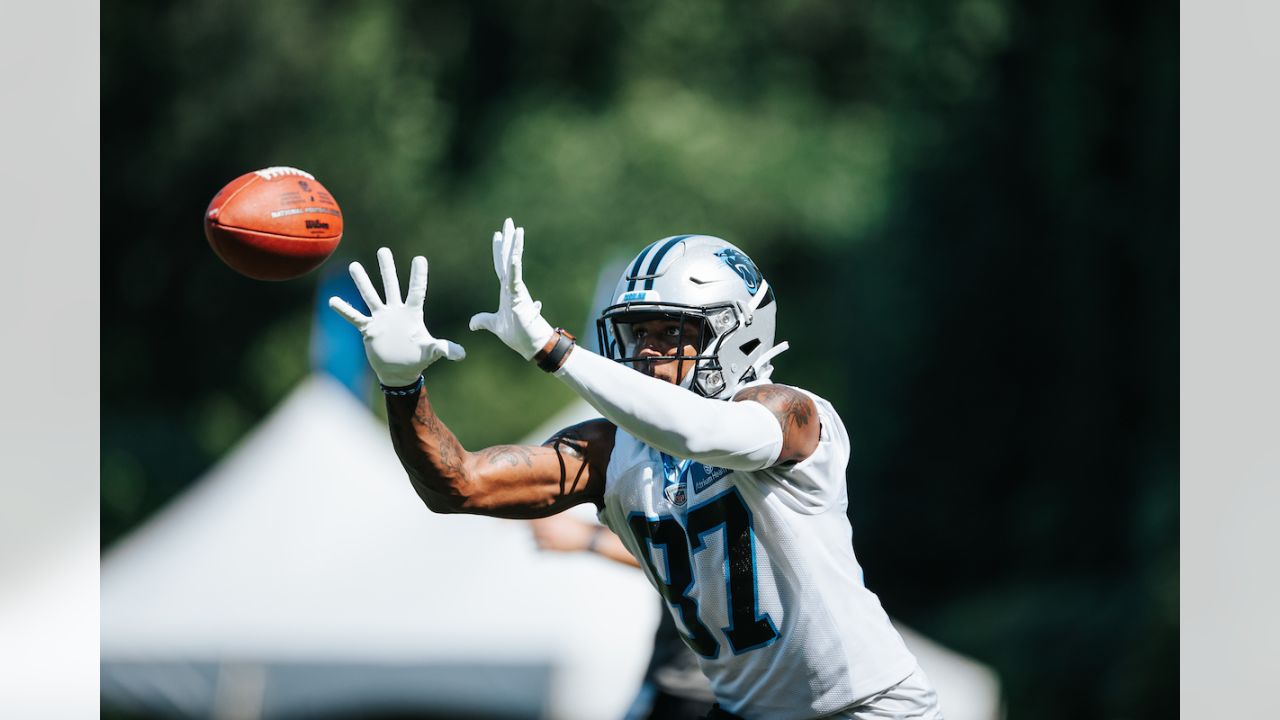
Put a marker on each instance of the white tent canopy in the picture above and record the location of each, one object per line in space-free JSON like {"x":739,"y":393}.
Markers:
{"x":303,"y":574}
{"x":304,"y":562}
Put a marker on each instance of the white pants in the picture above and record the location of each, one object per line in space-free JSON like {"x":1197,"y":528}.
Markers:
{"x":911,"y":699}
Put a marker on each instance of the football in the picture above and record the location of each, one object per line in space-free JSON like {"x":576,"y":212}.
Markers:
{"x":273,"y":224}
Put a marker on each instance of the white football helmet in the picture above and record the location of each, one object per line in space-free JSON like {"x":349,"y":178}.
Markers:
{"x":709,"y":280}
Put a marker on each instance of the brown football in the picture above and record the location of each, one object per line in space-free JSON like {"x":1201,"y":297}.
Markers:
{"x":273,"y":224}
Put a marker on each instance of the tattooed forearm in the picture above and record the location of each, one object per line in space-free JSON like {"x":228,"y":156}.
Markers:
{"x":433,"y":458}
{"x":503,"y":481}
{"x":511,"y":455}
{"x":436,"y":440}
{"x":425,"y":417}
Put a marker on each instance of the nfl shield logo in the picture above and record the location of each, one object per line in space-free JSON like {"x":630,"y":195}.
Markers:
{"x":675,"y":493}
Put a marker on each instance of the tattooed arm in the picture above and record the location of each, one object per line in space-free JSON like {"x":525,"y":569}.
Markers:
{"x":796,"y":413}
{"x":511,"y":481}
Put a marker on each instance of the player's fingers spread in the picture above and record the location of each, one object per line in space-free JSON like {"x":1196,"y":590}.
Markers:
{"x":482,"y":321}
{"x":390,"y":282}
{"x":417,"y":282}
{"x":365,"y":286}
{"x":348,"y":313}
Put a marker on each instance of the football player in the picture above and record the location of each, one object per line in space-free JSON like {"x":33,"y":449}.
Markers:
{"x":727,"y":488}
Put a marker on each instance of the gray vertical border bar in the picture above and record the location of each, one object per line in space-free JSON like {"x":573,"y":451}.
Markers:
{"x":1230,"y":359}
{"x":49,"y":199}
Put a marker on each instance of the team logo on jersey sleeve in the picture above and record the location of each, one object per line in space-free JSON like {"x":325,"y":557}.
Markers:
{"x":742,"y":265}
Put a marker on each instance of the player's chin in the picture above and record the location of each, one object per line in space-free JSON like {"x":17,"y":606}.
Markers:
{"x":664,"y":370}
{"x":669,"y":377}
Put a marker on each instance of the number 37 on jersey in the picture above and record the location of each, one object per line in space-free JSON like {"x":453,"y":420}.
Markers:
{"x":682,"y":547}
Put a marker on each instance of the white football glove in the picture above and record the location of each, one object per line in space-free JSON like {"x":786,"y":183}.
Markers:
{"x":395,"y":338}
{"x":518,"y":321}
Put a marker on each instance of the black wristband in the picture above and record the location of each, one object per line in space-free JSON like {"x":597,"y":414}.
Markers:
{"x":552,"y":360}
{"x":403,"y":390}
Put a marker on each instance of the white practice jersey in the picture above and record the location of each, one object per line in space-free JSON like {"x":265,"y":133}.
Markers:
{"x":759,"y":572}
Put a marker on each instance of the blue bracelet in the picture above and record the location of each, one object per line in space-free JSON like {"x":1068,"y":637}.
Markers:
{"x":404,"y":390}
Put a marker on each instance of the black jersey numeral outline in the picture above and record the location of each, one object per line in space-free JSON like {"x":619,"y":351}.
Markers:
{"x":748,"y":628}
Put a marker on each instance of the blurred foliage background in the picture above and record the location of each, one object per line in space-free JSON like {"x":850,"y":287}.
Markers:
{"x":967,"y":209}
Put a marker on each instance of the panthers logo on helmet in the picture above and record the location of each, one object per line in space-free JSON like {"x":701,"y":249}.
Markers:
{"x":742,"y":265}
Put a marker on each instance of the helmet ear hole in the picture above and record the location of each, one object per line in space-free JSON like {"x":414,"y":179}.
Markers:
{"x":749,"y":346}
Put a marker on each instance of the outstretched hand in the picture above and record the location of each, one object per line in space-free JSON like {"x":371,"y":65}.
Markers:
{"x":518,"y":321}
{"x":396,"y":340}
